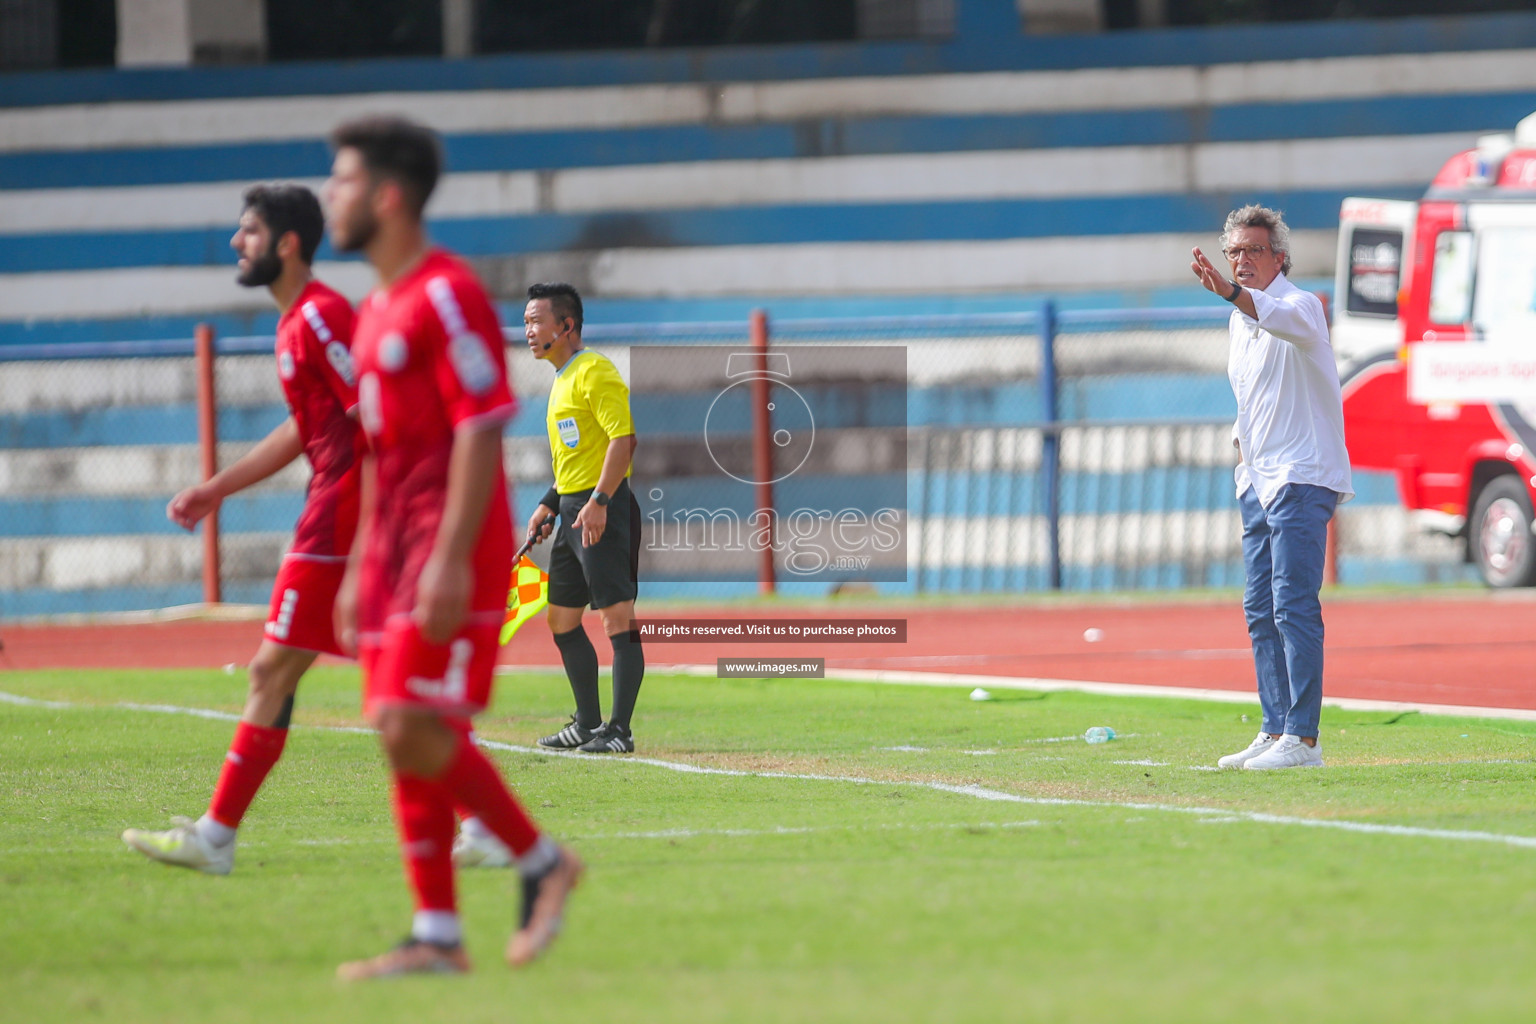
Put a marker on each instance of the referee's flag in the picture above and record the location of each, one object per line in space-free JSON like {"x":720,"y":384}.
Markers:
{"x":527,"y":597}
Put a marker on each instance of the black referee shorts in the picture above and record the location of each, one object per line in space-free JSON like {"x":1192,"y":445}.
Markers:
{"x":607,"y":573}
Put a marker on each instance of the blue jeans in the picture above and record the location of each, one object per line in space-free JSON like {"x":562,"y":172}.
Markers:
{"x":1283,"y":551}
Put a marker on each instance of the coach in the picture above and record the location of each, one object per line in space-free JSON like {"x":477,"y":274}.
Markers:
{"x":1293,"y":471}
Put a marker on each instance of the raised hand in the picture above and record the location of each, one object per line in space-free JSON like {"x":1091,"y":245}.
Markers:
{"x":1213,"y":279}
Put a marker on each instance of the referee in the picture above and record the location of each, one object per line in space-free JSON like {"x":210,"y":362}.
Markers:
{"x":596,"y":554}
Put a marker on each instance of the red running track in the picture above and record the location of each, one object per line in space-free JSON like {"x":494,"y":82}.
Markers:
{"x":1474,"y":649}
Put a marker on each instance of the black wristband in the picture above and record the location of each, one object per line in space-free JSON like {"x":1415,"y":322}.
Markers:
{"x":601,"y":498}
{"x":551,"y":499}
{"x":1237,"y":290}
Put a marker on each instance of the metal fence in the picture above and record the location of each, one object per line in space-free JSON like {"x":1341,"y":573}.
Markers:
{"x":1083,"y":449}
{"x":1077,"y":450}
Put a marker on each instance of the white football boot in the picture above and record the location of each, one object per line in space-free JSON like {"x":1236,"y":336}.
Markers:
{"x":183,"y":846}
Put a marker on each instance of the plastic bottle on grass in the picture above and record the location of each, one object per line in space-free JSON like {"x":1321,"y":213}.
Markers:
{"x":1099,"y":734}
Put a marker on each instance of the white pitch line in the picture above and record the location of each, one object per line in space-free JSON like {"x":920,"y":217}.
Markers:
{"x":33,"y":702}
{"x":597,"y":837}
{"x":785,"y":830}
{"x":973,"y":791}
{"x":730,"y":833}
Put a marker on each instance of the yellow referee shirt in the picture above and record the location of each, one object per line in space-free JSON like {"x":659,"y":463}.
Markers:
{"x":588,"y":407}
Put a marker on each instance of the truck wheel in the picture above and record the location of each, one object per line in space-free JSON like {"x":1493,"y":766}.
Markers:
{"x":1501,"y":539}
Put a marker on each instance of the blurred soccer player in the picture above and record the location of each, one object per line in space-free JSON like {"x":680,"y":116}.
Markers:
{"x":279,"y":230}
{"x":426,"y":585}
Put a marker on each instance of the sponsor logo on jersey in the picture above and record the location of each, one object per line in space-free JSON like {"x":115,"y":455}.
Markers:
{"x":570,"y":433}
{"x":394,"y":353}
{"x":341,"y":361}
{"x":447,"y":305}
{"x":285,"y":367}
{"x":472,"y":359}
{"x":317,"y":323}
{"x":472,"y":362}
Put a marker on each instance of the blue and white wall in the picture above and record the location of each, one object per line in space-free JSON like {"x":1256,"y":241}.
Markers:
{"x":974,"y":176}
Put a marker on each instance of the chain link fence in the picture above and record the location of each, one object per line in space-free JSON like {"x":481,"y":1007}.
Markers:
{"x":1099,"y":461}
{"x":91,"y":451}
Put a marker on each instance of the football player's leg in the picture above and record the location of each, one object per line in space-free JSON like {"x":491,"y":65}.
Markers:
{"x":263,"y":730}
{"x":208,"y":844}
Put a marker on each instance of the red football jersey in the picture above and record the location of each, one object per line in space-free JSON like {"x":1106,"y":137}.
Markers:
{"x":430,"y":358}
{"x":314,"y":363}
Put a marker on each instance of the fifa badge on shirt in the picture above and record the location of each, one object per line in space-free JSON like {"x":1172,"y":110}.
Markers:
{"x":285,"y":367}
{"x":570,"y":433}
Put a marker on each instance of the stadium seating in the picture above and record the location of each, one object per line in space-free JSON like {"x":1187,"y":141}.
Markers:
{"x":815,"y":181}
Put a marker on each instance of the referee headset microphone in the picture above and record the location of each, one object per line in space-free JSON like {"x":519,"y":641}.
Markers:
{"x":551,"y":342}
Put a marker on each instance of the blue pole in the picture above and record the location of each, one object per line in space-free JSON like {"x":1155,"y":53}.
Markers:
{"x":1050,"y":455}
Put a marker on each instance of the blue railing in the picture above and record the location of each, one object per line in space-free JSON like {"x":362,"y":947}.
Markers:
{"x":1070,"y":470}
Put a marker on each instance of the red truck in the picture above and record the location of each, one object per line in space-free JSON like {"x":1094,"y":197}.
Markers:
{"x":1416,"y":284}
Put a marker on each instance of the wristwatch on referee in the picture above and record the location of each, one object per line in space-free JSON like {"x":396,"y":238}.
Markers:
{"x":601,"y":498}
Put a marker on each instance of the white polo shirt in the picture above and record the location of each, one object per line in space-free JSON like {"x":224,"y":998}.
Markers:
{"x":1290,"y":416}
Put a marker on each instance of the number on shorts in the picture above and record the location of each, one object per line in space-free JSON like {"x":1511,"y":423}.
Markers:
{"x":456,"y":679}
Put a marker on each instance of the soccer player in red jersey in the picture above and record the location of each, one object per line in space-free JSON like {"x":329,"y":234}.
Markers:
{"x":279,"y":230}
{"x":426,"y":586}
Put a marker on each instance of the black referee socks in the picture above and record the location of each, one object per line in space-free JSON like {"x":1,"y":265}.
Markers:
{"x":628,"y":671}
{"x":580,"y":659}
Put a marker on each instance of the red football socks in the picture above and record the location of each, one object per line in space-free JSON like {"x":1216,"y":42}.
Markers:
{"x":475,"y":784}
{"x":424,"y":813}
{"x":252,"y":753}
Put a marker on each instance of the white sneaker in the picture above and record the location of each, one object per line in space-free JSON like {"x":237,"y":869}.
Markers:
{"x":1288,"y":752}
{"x":480,"y":851}
{"x":183,"y":846}
{"x":1262,"y":742}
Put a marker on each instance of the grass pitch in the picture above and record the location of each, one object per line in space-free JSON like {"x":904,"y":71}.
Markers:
{"x":853,"y":852}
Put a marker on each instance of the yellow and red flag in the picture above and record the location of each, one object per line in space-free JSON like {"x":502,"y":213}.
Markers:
{"x":526,"y":598}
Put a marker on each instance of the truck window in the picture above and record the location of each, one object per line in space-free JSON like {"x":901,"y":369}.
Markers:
{"x":1375,"y":263}
{"x":1450,"y":286}
{"x":1505,"y":305}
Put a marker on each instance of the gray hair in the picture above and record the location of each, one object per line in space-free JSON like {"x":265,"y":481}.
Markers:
{"x":1255,"y":216}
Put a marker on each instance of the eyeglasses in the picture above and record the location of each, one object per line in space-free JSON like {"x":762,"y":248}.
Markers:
{"x":1237,"y":252}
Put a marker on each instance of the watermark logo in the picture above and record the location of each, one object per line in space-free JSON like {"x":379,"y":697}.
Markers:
{"x":809,"y":540}
{"x":799,"y":451}
{"x":792,"y":433}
